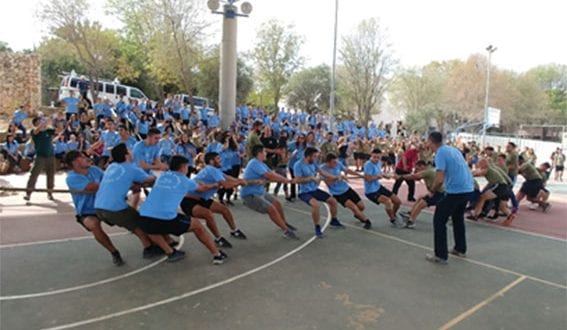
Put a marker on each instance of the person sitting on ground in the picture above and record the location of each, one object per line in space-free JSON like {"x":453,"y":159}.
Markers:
{"x":83,"y":180}
{"x":201,"y":205}
{"x":158,"y":214}
{"x":256,"y":198}
{"x":306,"y":176}
{"x":427,"y":174}
{"x":110,"y":200}
{"x":332,"y":173}
{"x":375,"y":191}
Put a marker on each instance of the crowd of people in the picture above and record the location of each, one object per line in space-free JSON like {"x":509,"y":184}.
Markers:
{"x":181,"y":159}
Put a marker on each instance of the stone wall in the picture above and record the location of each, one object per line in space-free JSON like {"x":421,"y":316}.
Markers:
{"x":20,"y":81}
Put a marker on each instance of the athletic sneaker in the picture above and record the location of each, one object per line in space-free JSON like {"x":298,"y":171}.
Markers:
{"x":117,"y":259}
{"x":318,"y":231}
{"x":174,"y":244}
{"x":219,"y":259}
{"x":405,"y":215}
{"x":176,"y":255}
{"x":289,"y":234}
{"x":457,"y":253}
{"x":411,"y":199}
{"x":410,"y":224}
{"x":509,"y":219}
{"x":50,"y":197}
{"x":434,"y":259}
{"x":27,"y":197}
{"x":367,"y":224}
{"x":336,"y":224}
{"x":545,"y":208}
{"x":238,"y":234}
{"x":394,"y":222}
{"x":152,"y":251}
{"x":222,"y":242}
{"x":290,"y":227}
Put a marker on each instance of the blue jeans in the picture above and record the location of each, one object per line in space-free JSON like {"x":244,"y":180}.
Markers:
{"x":453,"y":205}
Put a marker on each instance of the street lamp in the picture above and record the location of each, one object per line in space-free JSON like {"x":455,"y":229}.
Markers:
{"x":490,"y":49}
{"x":228,"y":57}
{"x":334,"y":70}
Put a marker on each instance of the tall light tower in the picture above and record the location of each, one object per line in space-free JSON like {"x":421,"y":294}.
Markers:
{"x":490,"y":49}
{"x":228,"y":57}
{"x":333,"y":70}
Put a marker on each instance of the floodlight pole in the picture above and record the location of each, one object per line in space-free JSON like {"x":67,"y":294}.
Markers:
{"x":490,"y":49}
{"x":334,"y":71}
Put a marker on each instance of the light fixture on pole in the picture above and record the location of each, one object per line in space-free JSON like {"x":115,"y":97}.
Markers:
{"x":228,"y":57}
{"x":333,"y":95}
{"x":490,"y":49}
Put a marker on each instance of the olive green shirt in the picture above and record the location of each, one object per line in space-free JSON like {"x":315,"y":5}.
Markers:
{"x":253,"y":140}
{"x":494,"y":176}
{"x":428,"y":177}
{"x":327,"y":148}
{"x":512,"y":163}
{"x":530,"y":172}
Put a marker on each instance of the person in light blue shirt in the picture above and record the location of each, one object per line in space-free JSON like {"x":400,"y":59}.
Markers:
{"x":377,"y":193}
{"x":200,"y":204}
{"x":10,"y":151}
{"x":60,"y":146}
{"x":125,"y":137}
{"x":306,"y":171}
{"x":71,"y":104}
{"x":83,"y":180}
{"x":18,"y":118}
{"x":214,"y":121}
{"x":110,"y":200}
{"x":146,"y":152}
{"x":254,"y":196}
{"x":158,"y":214}
{"x":452,"y":171}
{"x":72,"y":144}
{"x":109,"y":138}
{"x":188,"y":150}
{"x":166,"y":148}
{"x":334,"y":175}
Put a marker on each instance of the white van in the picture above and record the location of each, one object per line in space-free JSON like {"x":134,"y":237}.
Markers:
{"x":111,"y":90}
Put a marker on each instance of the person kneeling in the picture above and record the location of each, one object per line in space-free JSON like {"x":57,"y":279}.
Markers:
{"x":158,"y":214}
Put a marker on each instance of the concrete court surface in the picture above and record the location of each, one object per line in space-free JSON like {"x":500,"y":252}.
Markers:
{"x":352,"y":279}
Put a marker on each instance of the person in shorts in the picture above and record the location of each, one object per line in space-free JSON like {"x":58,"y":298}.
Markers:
{"x":533,"y":188}
{"x":200,"y":204}
{"x":158,"y":214}
{"x":83,"y":180}
{"x":306,"y":176}
{"x":375,"y":191}
{"x":332,"y":173}
{"x":110,"y":200}
{"x":432,"y":198}
{"x":254,"y":196}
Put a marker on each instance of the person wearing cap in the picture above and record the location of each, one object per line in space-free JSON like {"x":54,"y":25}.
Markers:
{"x":42,"y":135}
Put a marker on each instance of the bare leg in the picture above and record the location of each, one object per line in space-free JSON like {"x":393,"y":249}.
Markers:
{"x":207,"y":215}
{"x":332,"y":202}
{"x":356,"y":211}
{"x":276,"y":217}
{"x":218,"y":208}
{"x":417,"y":208}
{"x":143,"y":237}
{"x":314,"y":210}
{"x":279,"y":207}
{"x":93,"y":224}
{"x":397,"y":203}
{"x":197,"y":229}
{"x":160,"y":241}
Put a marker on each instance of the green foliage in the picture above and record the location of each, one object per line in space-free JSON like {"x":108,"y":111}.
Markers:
{"x":4,"y":47}
{"x":276,"y":56}
{"x":310,"y":89}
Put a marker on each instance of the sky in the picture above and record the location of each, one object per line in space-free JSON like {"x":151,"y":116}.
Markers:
{"x":527,"y":33}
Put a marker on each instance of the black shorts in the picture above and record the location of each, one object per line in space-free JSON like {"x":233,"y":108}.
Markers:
{"x":318,"y":194}
{"x":502,"y":191}
{"x":81,"y":219}
{"x":435,"y":199}
{"x":176,"y":226}
{"x":559,"y":168}
{"x":188,"y":204}
{"x":185,"y":121}
{"x":381,"y":192}
{"x":348,"y":195}
{"x":176,"y":116}
{"x":532,"y":187}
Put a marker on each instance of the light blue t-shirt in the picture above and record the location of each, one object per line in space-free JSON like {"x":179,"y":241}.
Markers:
{"x":302,"y":169}
{"x":71,"y":104}
{"x":338,"y":187}
{"x":144,"y":152}
{"x":255,"y":170}
{"x":84,"y":203}
{"x":458,"y":177}
{"x":111,"y":140}
{"x":209,"y":175}
{"x":370,"y":168}
{"x":166,"y":195}
{"x":116,"y":182}
{"x":166,"y":147}
{"x":19,"y":116}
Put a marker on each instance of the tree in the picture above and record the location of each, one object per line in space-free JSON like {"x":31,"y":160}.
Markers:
{"x":552,"y":79}
{"x":310,"y":89}
{"x":4,"y":47}
{"x":94,"y":46}
{"x":207,"y":77}
{"x":276,"y":56}
{"x":368,"y":61}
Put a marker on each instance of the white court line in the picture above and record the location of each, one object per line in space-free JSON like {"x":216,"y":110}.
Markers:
{"x":195,"y":292}
{"x":472,"y":261}
{"x":62,"y":240}
{"x":477,"y":307}
{"x":90,"y":285}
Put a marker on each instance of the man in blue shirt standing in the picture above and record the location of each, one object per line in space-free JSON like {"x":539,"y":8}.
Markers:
{"x":255,"y":196}
{"x":306,"y":176}
{"x":71,"y":104}
{"x":159,"y":212}
{"x":454,"y":173}
{"x":83,"y":181}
